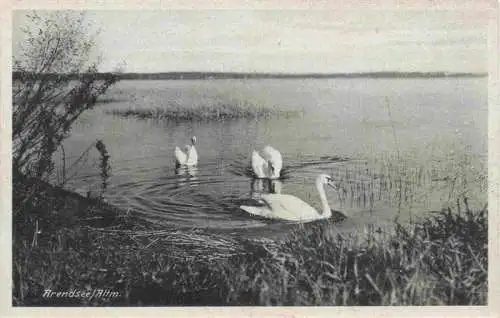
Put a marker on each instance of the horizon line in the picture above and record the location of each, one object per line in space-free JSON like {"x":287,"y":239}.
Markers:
{"x":218,"y":75}
{"x":294,"y":73}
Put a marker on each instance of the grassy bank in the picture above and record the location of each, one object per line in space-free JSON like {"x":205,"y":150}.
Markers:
{"x":64,"y":242}
{"x":219,"y":111}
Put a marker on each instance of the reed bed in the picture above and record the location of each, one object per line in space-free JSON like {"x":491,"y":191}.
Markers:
{"x":364,"y":183}
{"x":405,"y":182}
{"x":208,"y":112}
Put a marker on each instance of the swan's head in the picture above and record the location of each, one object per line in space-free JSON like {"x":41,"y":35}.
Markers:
{"x":325,"y":179}
{"x":193,"y":140}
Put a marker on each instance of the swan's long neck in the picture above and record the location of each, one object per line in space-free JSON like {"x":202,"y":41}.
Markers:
{"x":325,"y":207}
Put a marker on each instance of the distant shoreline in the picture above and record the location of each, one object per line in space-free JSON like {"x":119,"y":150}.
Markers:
{"x":215,"y":75}
{"x":234,"y":75}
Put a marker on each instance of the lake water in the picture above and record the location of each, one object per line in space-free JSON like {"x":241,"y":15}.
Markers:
{"x":367,"y":133}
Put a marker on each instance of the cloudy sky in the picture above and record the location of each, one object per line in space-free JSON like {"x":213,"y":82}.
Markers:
{"x":292,"y":41}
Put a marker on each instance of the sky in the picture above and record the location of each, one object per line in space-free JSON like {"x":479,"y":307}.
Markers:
{"x":291,"y":41}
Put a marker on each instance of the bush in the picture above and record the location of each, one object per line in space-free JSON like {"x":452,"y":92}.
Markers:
{"x":54,"y":82}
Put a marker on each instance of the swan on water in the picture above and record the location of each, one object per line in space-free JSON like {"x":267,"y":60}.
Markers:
{"x":291,"y":208}
{"x":274,"y":160}
{"x":268,"y":165}
{"x":189,"y":157}
{"x":259,"y":165}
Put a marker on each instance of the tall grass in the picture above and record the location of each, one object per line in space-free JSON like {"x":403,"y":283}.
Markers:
{"x":69,"y":242}
{"x":441,"y":261}
{"x":209,"y":112}
{"x":409,"y":183}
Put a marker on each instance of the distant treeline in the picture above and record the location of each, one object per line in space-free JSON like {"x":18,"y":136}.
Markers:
{"x":57,"y":76}
{"x":223,"y":75}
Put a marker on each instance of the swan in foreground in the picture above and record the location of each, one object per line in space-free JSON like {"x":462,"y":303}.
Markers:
{"x":268,"y":165}
{"x":289,"y":207}
{"x":189,"y":157}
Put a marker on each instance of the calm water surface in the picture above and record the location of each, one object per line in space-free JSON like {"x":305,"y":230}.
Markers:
{"x":354,"y":129}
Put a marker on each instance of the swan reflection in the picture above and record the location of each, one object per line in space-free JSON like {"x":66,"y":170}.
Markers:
{"x":275,"y":186}
{"x":268,"y":165}
{"x":186,"y":175}
{"x":262,"y":186}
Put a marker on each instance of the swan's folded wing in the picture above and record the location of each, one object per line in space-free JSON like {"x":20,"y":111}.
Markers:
{"x":274,"y":156}
{"x":259,"y":165}
{"x":260,"y":207}
{"x":289,"y":207}
{"x":192,"y":156}
{"x":180,"y":156}
{"x":269,"y":153}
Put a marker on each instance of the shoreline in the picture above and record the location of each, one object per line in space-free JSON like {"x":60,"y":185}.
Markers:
{"x":70,"y":244}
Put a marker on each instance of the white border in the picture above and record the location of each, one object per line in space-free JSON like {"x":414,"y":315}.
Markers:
{"x":491,"y":13}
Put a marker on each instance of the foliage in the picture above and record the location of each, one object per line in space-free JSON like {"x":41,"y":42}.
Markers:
{"x":46,"y":101}
{"x":441,"y":260}
{"x":65,"y":242}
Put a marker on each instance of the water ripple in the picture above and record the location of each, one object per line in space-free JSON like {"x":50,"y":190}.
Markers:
{"x":207,"y":196}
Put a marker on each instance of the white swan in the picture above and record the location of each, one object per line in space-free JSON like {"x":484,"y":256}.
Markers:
{"x":289,"y":207}
{"x":267,"y":166}
{"x":180,"y":156}
{"x":273,"y":157}
{"x":188,"y":158}
{"x":259,"y":165}
{"x":192,"y":156}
